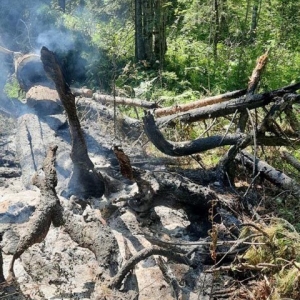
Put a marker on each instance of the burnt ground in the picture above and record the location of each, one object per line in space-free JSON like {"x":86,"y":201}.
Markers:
{"x":58,"y":267}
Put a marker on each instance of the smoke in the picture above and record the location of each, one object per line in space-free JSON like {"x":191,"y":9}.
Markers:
{"x":27,"y":26}
{"x":56,"y":40}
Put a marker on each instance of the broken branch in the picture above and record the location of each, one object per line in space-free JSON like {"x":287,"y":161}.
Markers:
{"x":165,"y":111}
{"x":143,"y":254}
{"x":125,"y":101}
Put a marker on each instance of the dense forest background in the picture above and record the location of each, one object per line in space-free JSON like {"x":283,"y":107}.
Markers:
{"x":184,"y":47}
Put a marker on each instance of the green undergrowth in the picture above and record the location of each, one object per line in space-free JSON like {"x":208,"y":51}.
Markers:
{"x":277,"y":250}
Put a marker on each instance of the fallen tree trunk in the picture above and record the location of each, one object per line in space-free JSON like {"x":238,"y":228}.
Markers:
{"x":85,"y":180}
{"x":83,"y":92}
{"x":270,"y":173}
{"x":29,"y":71}
{"x":229,"y":107}
{"x":124,"y":101}
{"x":165,"y":111}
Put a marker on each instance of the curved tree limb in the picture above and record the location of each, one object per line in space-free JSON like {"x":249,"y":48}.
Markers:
{"x":181,"y":149}
{"x":143,"y":254}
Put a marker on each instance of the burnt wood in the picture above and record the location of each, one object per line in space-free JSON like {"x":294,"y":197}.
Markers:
{"x":85,"y":180}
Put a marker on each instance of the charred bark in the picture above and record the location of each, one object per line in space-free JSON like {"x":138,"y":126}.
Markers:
{"x":48,"y":211}
{"x":229,"y":107}
{"x":187,"y":148}
{"x":270,"y":173}
{"x":85,"y":180}
{"x":92,"y":234}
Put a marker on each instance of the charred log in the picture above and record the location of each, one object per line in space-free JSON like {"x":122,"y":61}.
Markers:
{"x":92,"y":234}
{"x":270,"y":173}
{"x":29,"y":71}
{"x":229,"y":107}
{"x":85,"y":180}
{"x":48,"y":211}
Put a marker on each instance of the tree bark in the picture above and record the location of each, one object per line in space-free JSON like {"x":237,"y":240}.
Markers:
{"x":150,"y":31}
{"x":139,"y":42}
{"x":216,"y":27}
{"x":125,"y":101}
{"x":275,"y":176}
{"x":165,"y":111}
{"x":85,"y":180}
{"x":254,"y":21}
{"x":182,"y":149}
{"x":229,"y":107}
{"x":48,"y":211}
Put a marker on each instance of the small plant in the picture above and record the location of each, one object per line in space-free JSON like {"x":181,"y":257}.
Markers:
{"x":276,"y":254}
{"x":12,"y":88}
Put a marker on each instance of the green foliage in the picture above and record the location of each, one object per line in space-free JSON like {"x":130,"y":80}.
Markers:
{"x":277,"y":244}
{"x":12,"y":88}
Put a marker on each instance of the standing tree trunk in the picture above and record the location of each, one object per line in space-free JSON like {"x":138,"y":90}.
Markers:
{"x":139,"y":41}
{"x":85,"y":180}
{"x":160,"y":44}
{"x":254,"y":20}
{"x":223,"y":23}
{"x":216,"y":27}
{"x":62,"y":5}
{"x":150,"y":31}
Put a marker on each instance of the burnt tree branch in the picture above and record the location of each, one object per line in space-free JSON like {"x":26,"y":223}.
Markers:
{"x":48,"y":210}
{"x":165,"y":111}
{"x":169,"y":277}
{"x":185,"y":148}
{"x":124,"y":101}
{"x":229,"y":107}
{"x":143,"y":254}
{"x":85,"y":180}
{"x":270,"y":173}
